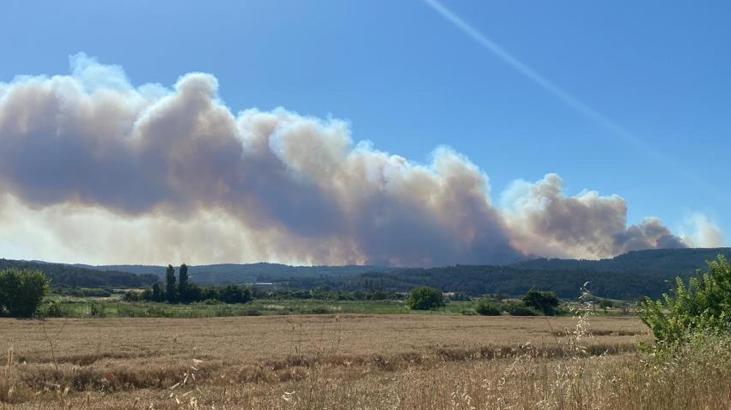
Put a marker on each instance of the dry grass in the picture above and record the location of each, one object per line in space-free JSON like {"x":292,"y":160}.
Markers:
{"x":351,"y":361}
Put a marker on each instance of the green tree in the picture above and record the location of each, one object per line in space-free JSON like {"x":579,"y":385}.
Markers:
{"x":701,"y":306}
{"x":545,"y":302}
{"x":183,"y":284}
{"x":605,"y":304}
{"x":171,"y":292}
{"x":194,"y":293}
{"x":22,"y":291}
{"x":234,"y":294}
{"x":157,"y":295}
{"x":424,"y":298}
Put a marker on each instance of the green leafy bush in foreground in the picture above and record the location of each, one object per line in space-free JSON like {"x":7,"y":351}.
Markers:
{"x":22,"y":291}
{"x":703,"y":305}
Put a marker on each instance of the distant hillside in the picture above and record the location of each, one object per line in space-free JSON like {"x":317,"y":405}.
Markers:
{"x":664,"y":261}
{"x":62,"y":275}
{"x":247,"y":273}
{"x":508,"y":281}
{"x":628,"y":276}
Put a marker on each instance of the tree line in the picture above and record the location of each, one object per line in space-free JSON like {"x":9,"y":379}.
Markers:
{"x":533,"y":303}
{"x":181,"y":290}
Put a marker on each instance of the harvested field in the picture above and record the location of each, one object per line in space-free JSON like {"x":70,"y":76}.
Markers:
{"x":105,"y":363}
{"x":256,"y":339}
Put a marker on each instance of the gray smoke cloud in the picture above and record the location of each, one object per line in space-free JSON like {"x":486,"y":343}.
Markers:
{"x":162,"y":172}
{"x":546,"y":222}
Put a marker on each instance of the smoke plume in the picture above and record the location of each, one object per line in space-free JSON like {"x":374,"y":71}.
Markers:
{"x":546,"y":222}
{"x":96,"y":168}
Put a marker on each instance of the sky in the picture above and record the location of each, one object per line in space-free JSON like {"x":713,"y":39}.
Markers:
{"x":620,"y":97}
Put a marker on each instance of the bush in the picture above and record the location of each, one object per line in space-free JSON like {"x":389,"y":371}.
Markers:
{"x":424,"y":298}
{"x":701,"y":306}
{"x":606,"y":304}
{"x":97,"y":310}
{"x":135,"y":296}
{"x":522,"y":310}
{"x":52,"y":309}
{"x":487,"y":307}
{"x":545,"y":302}
{"x":22,"y":291}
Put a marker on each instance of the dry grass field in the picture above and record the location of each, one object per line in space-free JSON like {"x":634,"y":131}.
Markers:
{"x":348,"y":361}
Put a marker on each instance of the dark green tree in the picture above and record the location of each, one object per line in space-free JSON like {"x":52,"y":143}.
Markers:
{"x":424,"y":298}
{"x":194,"y":293}
{"x":22,"y":291}
{"x":157,"y":295}
{"x":545,"y":302}
{"x":234,"y":294}
{"x":183,"y":284}
{"x":171,"y":291}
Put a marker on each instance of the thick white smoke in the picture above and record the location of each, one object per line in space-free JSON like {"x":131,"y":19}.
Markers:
{"x":106,"y":171}
{"x":546,"y":222}
{"x":700,"y":231}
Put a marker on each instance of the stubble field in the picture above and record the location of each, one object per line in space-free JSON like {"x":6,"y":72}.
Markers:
{"x":329,"y":361}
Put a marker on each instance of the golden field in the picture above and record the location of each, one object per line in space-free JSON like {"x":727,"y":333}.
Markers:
{"x":347,"y":361}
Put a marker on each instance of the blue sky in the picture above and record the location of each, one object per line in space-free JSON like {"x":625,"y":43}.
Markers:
{"x":408,"y":80}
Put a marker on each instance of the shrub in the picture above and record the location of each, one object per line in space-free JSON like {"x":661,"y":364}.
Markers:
{"x":97,"y":310}
{"x":487,"y":307}
{"x":52,"y":309}
{"x":605,"y":304}
{"x":522,"y":310}
{"x":135,"y":296}
{"x":701,"y":306}
{"x":545,"y":302}
{"x":424,"y":298}
{"x":22,"y":291}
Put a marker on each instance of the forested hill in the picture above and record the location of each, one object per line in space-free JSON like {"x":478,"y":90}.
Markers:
{"x":249,"y":272}
{"x":62,"y":275}
{"x":628,"y":276}
{"x":663,"y":261}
